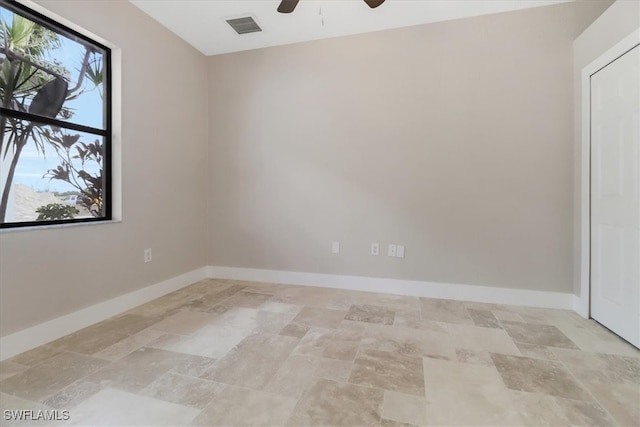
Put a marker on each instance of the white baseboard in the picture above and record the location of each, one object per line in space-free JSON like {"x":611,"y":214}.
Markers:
{"x":581,"y":306}
{"x":51,"y":330}
{"x":521,"y":297}
{"x":46,"y":332}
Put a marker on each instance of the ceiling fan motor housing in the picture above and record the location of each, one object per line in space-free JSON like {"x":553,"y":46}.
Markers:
{"x":288,"y":6}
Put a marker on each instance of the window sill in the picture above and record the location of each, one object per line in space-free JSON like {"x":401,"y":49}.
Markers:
{"x":54,"y":226}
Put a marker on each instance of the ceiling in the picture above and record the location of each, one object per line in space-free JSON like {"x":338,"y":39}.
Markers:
{"x":201,"y":23}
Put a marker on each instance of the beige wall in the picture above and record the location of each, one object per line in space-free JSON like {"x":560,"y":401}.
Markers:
{"x":454,"y":139}
{"x":617,"y":22}
{"x":48,"y":273}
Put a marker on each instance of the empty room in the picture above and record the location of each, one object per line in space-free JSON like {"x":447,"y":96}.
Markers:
{"x":320,"y":212}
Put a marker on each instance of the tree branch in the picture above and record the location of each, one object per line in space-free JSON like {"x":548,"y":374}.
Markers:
{"x":13,"y":55}
{"x":83,"y":71}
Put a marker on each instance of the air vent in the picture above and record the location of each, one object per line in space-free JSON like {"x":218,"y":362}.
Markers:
{"x":244,"y":25}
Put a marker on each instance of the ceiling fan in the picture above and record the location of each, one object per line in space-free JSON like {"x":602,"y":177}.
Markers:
{"x":287,"y":6}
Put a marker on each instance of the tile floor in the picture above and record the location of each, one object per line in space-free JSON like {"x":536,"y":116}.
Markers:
{"x":222,"y":352}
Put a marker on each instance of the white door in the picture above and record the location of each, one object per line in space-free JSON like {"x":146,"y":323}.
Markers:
{"x":615,"y":196}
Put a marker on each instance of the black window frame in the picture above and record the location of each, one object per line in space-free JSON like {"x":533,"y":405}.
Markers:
{"x":106,"y":133}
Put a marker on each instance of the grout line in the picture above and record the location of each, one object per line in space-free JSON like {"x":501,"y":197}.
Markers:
{"x":369,"y":327}
{"x":575,"y":377}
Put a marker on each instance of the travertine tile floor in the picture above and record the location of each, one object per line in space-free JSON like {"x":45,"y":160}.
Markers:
{"x":237,"y":353}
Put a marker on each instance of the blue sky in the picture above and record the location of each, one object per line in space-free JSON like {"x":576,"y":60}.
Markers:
{"x":87,"y":110}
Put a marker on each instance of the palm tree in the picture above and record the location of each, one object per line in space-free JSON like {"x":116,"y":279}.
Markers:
{"x":26,"y":75}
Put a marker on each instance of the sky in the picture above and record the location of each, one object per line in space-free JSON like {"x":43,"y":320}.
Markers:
{"x":87,"y":110}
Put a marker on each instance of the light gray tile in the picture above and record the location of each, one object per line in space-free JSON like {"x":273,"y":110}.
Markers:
{"x":404,"y":408}
{"x":539,"y":376}
{"x":9,"y":369}
{"x":294,"y":329}
{"x":51,"y":376}
{"x":444,"y":310}
{"x":320,"y":317}
{"x":481,"y":339}
{"x":622,"y":401}
{"x":184,"y":322}
{"x":253,"y":362}
{"x":543,"y":335}
{"x":409,"y":342}
{"x":35,"y":356}
{"x":601,"y":368}
{"x":370,"y":314}
{"x":239,"y":406}
{"x":247,"y":299}
{"x":389,"y":371}
{"x":331,"y":403}
{"x":72,"y":395}
{"x":138,"y":369}
{"x":329,"y":343}
{"x":476,"y":357}
{"x":97,"y":337}
{"x":483,"y":318}
{"x":119,"y":408}
{"x":187,"y":391}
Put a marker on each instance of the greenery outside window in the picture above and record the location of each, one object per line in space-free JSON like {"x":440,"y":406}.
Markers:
{"x":55,"y":122}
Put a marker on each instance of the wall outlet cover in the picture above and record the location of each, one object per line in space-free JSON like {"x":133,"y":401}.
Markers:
{"x":375,"y":249}
{"x":391,"y":251}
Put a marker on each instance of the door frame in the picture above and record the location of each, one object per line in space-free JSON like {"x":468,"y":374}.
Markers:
{"x":583,"y":303}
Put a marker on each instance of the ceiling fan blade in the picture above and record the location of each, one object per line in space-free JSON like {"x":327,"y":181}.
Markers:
{"x":374,"y":3}
{"x":287,"y":6}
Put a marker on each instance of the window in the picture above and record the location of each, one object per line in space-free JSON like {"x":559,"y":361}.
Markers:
{"x":55,"y":122}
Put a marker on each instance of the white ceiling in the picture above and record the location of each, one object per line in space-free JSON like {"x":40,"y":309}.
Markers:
{"x":202,"y":22}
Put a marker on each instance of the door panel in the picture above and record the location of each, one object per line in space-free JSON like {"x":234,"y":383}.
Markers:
{"x":610,"y":156}
{"x":615,"y":196}
{"x":609,"y":266}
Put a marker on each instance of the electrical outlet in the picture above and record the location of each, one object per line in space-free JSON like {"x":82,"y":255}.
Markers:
{"x":399,"y":251}
{"x":335,"y":247}
{"x":148,"y":255}
{"x":391,"y":251}
{"x":375,"y":249}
